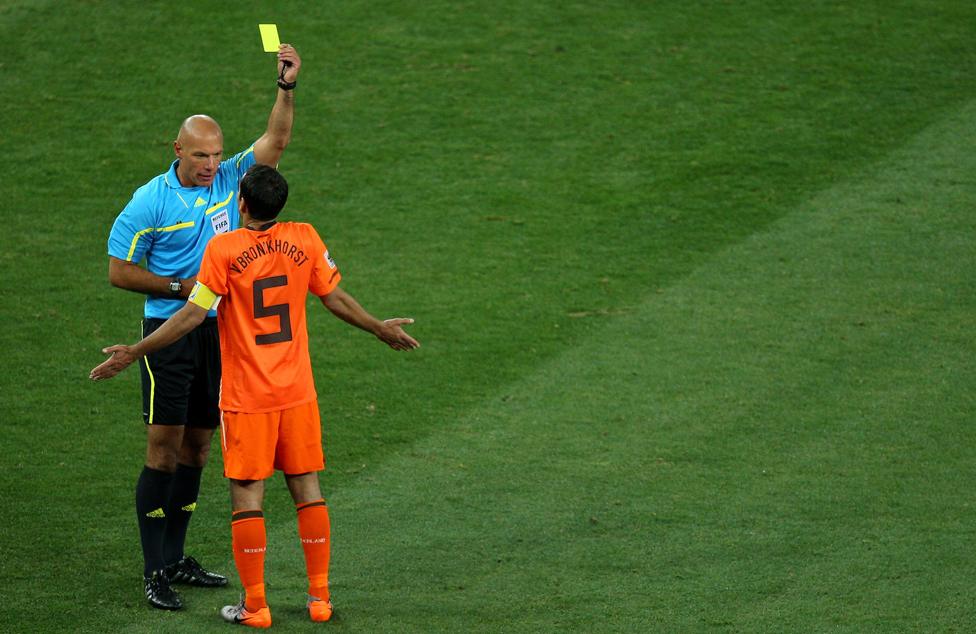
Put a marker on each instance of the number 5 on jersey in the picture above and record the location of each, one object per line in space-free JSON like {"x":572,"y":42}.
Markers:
{"x":279,"y":310}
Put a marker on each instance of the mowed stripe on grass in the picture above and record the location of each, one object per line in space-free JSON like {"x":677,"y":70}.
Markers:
{"x":778,"y":441}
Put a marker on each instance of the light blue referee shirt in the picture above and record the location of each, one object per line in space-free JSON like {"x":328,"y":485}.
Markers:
{"x":170,"y":225}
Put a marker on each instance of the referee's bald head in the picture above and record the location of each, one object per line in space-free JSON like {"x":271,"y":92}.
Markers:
{"x":198,"y":126}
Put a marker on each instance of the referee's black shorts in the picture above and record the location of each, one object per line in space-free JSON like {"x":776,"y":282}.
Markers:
{"x":181,"y":382}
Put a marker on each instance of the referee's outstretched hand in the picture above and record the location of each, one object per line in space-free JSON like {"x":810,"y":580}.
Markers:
{"x":392,"y":334}
{"x":288,"y":62}
{"x":121,"y":358}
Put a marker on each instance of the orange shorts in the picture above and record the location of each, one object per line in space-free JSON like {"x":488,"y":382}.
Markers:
{"x":289,"y":440}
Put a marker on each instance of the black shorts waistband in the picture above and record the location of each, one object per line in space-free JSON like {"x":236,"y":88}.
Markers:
{"x":208,"y":322}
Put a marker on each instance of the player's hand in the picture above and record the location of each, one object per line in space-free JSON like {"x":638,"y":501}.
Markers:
{"x":121,"y":358}
{"x":392,"y":334}
{"x":289,"y":62}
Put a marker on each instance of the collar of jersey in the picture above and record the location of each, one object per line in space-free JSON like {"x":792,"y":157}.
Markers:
{"x":263,"y":227}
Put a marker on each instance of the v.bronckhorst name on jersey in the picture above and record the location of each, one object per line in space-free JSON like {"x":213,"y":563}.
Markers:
{"x":170,"y":225}
{"x":261,"y":249}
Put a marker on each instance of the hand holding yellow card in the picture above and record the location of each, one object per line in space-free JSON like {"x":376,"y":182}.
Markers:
{"x":269,"y":37}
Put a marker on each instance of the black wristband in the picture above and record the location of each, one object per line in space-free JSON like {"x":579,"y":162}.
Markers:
{"x":285,"y":85}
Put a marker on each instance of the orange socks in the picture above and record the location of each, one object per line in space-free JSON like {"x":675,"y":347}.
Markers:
{"x":249,"y":542}
{"x":314,"y":529}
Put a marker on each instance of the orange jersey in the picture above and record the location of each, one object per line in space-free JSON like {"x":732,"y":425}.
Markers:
{"x":263,"y":278}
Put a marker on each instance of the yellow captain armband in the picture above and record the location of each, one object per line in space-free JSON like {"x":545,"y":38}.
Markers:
{"x":203,"y":297}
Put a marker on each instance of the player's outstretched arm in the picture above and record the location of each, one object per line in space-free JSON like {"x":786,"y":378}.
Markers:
{"x":272,"y":144}
{"x":345,"y":307}
{"x":182,"y":322}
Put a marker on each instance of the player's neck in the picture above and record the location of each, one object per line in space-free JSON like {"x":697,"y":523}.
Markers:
{"x":258,"y":225}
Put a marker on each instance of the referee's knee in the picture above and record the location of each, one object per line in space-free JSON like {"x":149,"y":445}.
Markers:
{"x":163,"y":447}
{"x":194,"y":455}
{"x":162,"y":458}
{"x":195,"y":448}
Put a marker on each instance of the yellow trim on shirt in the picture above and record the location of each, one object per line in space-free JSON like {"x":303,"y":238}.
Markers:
{"x":245,"y":153}
{"x":182,"y":225}
{"x":135,"y":239}
{"x":219,"y":205}
{"x":139,"y":234}
{"x":203,"y":297}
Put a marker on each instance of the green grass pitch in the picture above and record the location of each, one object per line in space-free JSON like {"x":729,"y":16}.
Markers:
{"x":695,"y":284}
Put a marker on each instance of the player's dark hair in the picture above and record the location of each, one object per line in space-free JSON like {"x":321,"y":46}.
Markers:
{"x":265,"y":191}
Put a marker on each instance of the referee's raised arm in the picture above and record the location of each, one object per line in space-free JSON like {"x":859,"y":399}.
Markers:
{"x":272,"y":144}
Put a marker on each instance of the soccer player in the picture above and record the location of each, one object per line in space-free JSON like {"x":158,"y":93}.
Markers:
{"x":168,"y":223}
{"x":258,"y":278}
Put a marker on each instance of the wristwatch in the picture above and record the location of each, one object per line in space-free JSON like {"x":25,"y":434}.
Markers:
{"x":176,"y":286}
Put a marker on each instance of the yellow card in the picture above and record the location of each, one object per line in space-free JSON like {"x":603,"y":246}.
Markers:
{"x":269,"y":37}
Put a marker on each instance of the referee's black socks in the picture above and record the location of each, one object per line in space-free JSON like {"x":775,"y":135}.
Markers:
{"x":152,"y":496}
{"x":179,"y":510}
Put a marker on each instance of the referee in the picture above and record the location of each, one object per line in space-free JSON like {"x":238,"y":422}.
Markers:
{"x":168,"y":223}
